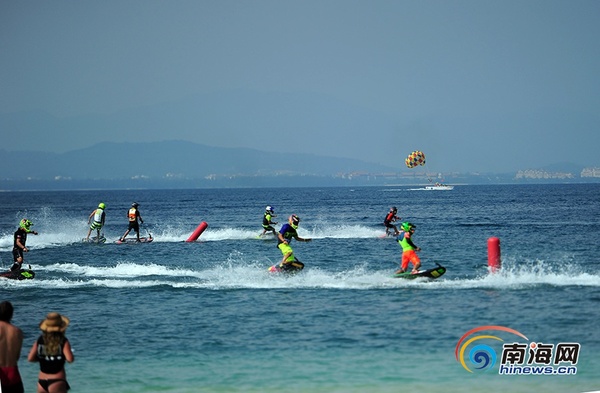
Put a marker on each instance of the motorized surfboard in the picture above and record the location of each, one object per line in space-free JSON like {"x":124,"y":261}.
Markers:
{"x":267,"y":236}
{"x":21,"y":274}
{"x":290,"y":268}
{"x":134,"y":240}
{"x":95,"y":239}
{"x":434,"y":273}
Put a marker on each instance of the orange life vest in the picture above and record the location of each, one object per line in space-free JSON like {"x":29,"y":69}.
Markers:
{"x":132,"y":215}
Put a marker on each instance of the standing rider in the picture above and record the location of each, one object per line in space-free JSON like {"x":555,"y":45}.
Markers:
{"x":409,"y":249}
{"x":20,"y":239}
{"x":98,"y":222}
{"x":133,"y":215}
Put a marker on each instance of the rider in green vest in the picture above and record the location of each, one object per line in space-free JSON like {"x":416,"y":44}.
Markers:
{"x":409,"y":249}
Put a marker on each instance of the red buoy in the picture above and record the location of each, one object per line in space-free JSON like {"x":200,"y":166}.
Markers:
{"x":494,"y":254}
{"x":199,"y":229}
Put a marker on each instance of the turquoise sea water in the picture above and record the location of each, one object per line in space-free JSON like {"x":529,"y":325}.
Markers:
{"x":172,"y":316}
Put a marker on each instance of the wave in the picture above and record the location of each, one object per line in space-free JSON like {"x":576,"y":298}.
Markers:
{"x":255,"y":276}
{"x":71,"y":234}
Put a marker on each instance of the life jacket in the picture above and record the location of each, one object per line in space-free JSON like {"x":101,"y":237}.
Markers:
{"x":390,"y":217}
{"x":132,"y":215}
{"x":405,"y":242}
{"x":98,"y":215}
{"x":267,"y":218}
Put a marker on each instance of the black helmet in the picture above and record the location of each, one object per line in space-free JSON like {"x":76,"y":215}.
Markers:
{"x":134,"y":204}
{"x":294,"y":219}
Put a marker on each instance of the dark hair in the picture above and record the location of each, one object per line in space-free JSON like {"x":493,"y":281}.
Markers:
{"x":6,"y":311}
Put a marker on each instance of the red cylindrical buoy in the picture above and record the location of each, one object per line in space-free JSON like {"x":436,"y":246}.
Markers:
{"x":494,"y":254}
{"x":203,"y":225}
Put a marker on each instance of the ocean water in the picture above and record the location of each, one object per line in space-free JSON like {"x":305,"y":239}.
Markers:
{"x":172,"y":316}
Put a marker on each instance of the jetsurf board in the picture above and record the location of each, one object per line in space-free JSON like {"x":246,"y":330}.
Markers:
{"x":266,"y":236}
{"x":433,"y":274}
{"x":290,"y":268}
{"x":22,"y":274}
{"x":133,"y":240}
{"x":95,"y":239}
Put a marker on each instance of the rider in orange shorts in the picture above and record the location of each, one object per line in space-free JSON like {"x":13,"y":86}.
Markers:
{"x":409,"y":249}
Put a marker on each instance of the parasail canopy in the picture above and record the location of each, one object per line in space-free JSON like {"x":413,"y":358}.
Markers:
{"x":415,"y":158}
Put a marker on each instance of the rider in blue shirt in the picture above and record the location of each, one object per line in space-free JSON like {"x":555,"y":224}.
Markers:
{"x":286,"y":233}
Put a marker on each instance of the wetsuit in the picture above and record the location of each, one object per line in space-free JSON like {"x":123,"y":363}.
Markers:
{"x":391,"y":217}
{"x":21,"y":236}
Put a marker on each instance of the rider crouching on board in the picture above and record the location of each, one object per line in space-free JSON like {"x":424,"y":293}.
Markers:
{"x":408,"y":249}
{"x":284,"y":237}
{"x":267,"y":223}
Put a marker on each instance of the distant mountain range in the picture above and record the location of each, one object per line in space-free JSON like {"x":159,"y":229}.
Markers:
{"x":170,"y":159}
{"x":295,"y":122}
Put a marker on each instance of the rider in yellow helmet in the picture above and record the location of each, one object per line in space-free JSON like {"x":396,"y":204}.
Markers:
{"x":20,"y":238}
{"x":97,"y":223}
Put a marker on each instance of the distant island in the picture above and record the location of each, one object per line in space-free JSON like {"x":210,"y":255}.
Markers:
{"x":180,"y":164}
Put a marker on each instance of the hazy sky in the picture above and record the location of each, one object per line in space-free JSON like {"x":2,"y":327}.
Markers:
{"x":497,"y":83}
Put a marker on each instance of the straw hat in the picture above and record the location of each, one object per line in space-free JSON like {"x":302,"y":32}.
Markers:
{"x":54,"y":322}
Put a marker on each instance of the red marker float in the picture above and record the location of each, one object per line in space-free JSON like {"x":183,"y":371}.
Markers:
{"x":199,"y":229}
{"x":494,"y":254}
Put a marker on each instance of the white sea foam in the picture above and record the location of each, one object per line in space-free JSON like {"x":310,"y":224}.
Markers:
{"x":254,"y":275}
{"x":68,"y":234}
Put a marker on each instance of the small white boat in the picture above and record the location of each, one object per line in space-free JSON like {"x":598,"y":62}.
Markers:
{"x":440,"y":187}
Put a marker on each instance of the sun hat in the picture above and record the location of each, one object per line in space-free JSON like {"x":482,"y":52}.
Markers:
{"x":54,"y":322}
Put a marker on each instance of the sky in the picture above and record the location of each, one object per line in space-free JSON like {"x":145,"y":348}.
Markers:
{"x":477,"y":85}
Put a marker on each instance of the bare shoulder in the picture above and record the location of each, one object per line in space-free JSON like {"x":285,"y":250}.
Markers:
{"x":10,"y":329}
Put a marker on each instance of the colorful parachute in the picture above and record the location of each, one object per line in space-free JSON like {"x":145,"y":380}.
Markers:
{"x":415,"y":158}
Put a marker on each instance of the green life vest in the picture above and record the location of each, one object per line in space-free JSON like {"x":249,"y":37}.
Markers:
{"x":404,"y":242}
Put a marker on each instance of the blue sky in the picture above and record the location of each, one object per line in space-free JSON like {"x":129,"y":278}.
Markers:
{"x":477,"y":85}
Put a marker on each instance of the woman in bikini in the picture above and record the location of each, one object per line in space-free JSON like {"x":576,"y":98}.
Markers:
{"x":52,"y":349}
